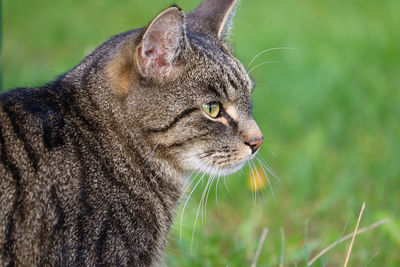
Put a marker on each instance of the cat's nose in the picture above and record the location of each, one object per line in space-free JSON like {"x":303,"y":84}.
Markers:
{"x":255,"y":144}
{"x":253,"y":136}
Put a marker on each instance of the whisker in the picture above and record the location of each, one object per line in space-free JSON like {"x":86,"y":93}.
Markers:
{"x":256,"y":180}
{"x":157,"y":143}
{"x":184,"y":206}
{"x":201,"y":154}
{"x":216,"y":191}
{"x":190,"y":181}
{"x":265,"y":174}
{"x":203,"y":209}
{"x":248,"y":164}
{"x":267,"y":50}
{"x":262,"y":63}
{"x":253,"y":184}
{"x":205,"y":204}
{"x":270,"y":187}
{"x":226,"y":186}
{"x":251,"y":173}
{"x":197,"y":214}
{"x":266,"y":166}
{"x":201,"y":206}
{"x":262,"y":168}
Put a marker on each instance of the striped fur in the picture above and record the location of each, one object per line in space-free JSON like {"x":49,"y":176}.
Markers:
{"x":92,"y":165}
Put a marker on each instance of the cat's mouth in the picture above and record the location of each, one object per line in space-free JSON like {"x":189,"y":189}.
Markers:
{"x":220,"y":167}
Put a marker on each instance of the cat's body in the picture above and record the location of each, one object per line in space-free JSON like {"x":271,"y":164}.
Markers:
{"x":73,"y":179}
{"x":92,"y":166}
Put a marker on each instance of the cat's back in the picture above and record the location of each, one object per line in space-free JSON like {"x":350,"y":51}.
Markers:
{"x":31,"y":125}
{"x":25,"y":114}
{"x":40,"y":173}
{"x":68,"y":189}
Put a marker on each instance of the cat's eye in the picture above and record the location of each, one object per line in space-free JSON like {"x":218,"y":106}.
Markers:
{"x":212,"y":109}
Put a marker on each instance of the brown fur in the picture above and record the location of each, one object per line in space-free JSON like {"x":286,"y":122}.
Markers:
{"x":120,"y":74}
{"x":92,"y":165}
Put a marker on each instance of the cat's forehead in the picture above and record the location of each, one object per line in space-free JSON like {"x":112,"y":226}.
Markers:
{"x":220,"y":68}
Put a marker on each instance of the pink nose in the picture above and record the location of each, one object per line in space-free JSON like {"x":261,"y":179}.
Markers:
{"x":255,"y":144}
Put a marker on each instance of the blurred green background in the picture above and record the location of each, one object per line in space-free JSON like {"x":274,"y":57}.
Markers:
{"x":329,"y":110}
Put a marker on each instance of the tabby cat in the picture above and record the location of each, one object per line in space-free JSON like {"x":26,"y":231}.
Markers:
{"x":93,"y":164}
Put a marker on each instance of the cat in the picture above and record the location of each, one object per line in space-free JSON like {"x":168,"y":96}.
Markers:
{"x":92,"y":165}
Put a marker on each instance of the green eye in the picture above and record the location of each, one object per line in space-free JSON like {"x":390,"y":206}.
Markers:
{"x":212,"y":109}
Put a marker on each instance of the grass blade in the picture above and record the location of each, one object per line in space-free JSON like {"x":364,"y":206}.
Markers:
{"x":306,"y":241}
{"x":282,"y":257}
{"x":260,"y":244}
{"x":341,"y":240}
{"x":354,"y":235}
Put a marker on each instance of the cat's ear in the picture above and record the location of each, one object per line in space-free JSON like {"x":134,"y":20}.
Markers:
{"x":162,"y":44}
{"x":213,"y":17}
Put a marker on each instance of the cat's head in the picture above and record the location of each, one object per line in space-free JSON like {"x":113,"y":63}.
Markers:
{"x":187,"y":92}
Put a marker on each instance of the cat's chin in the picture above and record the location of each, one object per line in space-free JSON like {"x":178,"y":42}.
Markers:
{"x":228,"y":170}
{"x":213,"y":170}
{"x":203,"y":167}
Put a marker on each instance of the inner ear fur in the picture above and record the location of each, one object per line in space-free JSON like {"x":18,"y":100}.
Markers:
{"x":162,"y":44}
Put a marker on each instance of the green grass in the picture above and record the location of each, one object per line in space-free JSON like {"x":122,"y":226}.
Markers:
{"x":329,"y":111}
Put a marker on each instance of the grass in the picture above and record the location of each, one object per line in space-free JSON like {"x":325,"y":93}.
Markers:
{"x":354,"y":235}
{"x":329,"y":111}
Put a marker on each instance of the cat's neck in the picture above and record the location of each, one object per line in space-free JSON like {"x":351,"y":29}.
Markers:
{"x":90,"y":83}
{"x":120,"y":132}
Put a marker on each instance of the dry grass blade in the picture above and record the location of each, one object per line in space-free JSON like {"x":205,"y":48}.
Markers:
{"x":346,"y":237}
{"x":282,"y":257}
{"x":354,"y":235}
{"x":260,"y":244}
{"x":306,"y":241}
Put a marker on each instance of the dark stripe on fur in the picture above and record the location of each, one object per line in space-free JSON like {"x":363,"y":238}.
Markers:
{"x":232,"y":83}
{"x":175,"y":120}
{"x":8,"y":251}
{"x":15,"y":120}
{"x":225,"y":92}
{"x":58,"y":209}
{"x":127,"y":243}
{"x":102,"y":240}
{"x":186,"y":141}
{"x":237,"y":73}
{"x":57,"y":236}
{"x":213,"y":90}
{"x":231,"y":122}
{"x":85,"y":211}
